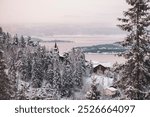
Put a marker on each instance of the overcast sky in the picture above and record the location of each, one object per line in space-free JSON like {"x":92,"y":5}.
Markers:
{"x":61,"y":11}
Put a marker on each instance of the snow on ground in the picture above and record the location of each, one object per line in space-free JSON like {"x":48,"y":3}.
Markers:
{"x":101,"y":80}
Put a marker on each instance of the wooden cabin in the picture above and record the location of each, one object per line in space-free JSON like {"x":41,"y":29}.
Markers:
{"x":100,"y":69}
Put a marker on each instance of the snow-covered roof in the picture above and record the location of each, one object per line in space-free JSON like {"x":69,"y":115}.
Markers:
{"x":111,"y":89}
{"x":106,"y":64}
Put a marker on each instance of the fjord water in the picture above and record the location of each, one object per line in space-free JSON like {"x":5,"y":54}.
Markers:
{"x":82,"y":41}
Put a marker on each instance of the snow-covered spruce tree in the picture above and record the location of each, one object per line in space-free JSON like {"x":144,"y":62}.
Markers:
{"x":56,"y":71}
{"x":37,"y":73}
{"x":22,"y":42}
{"x":135,"y":80}
{"x":8,"y":39}
{"x":79,"y":68}
{"x":29,"y":68}
{"x":57,"y":82}
{"x":4,"y":38}
{"x":44,"y":60}
{"x":4,"y":80}
{"x":25,"y":68}
{"x":22,"y":69}
{"x":22,"y":93}
{"x":1,"y":39}
{"x":13,"y":79}
{"x":89,"y":69}
{"x":29,"y":42}
{"x":93,"y":93}
{"x":50,"y":75}
{"x":67,"y":82}
{"x":1,"y":31}
{"x":15,"y":40}
{"x":72,"y":57}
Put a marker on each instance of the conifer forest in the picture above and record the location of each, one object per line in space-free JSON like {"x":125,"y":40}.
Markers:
{"x":30,"y":71}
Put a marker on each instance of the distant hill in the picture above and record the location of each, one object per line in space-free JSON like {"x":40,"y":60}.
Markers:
{"x":104,"y":48}
{"x":49,"y":41}
{"x":36,"y":39}
{"x":58,"y":41}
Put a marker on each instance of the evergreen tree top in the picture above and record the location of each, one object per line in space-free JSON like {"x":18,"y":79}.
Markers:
{"x":134,"y":2}
{"x":1,"y":54}
{"x":1,"y":30}
{"x":56,"y":48}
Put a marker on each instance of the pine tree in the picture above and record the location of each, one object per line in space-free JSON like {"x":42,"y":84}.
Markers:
{"x":29,"y":42}
{"x":8,"y":39}
{"x":29,"y":68}
{"x":25,"y":68}
{"x":50,"y":75}
{"x":67,"y":80}
{"x":37,"y":73}
{"x":4,"y":38}
{"x":79,"y":68}
{"x":22,"y":69}
{"x":93,"y":94}
{"x":22,"y":43}
{"x":135,"y":80}
{"x":4,"y":80}
{"x":56,"y":69}
{"x":22,"y":93}
{"x":15,"y":40}
{"x":57,"y":82}
{"x":13,"y":79}
{"x":1,"y":31}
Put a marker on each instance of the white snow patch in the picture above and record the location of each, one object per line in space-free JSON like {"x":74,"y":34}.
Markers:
{"x":106,"y":64}
{"x":101,"y":80}
{"x":110,"y":91}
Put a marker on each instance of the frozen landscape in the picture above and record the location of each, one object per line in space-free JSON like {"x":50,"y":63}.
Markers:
{"x":75,"y":50}
{"x":57,"y":69}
